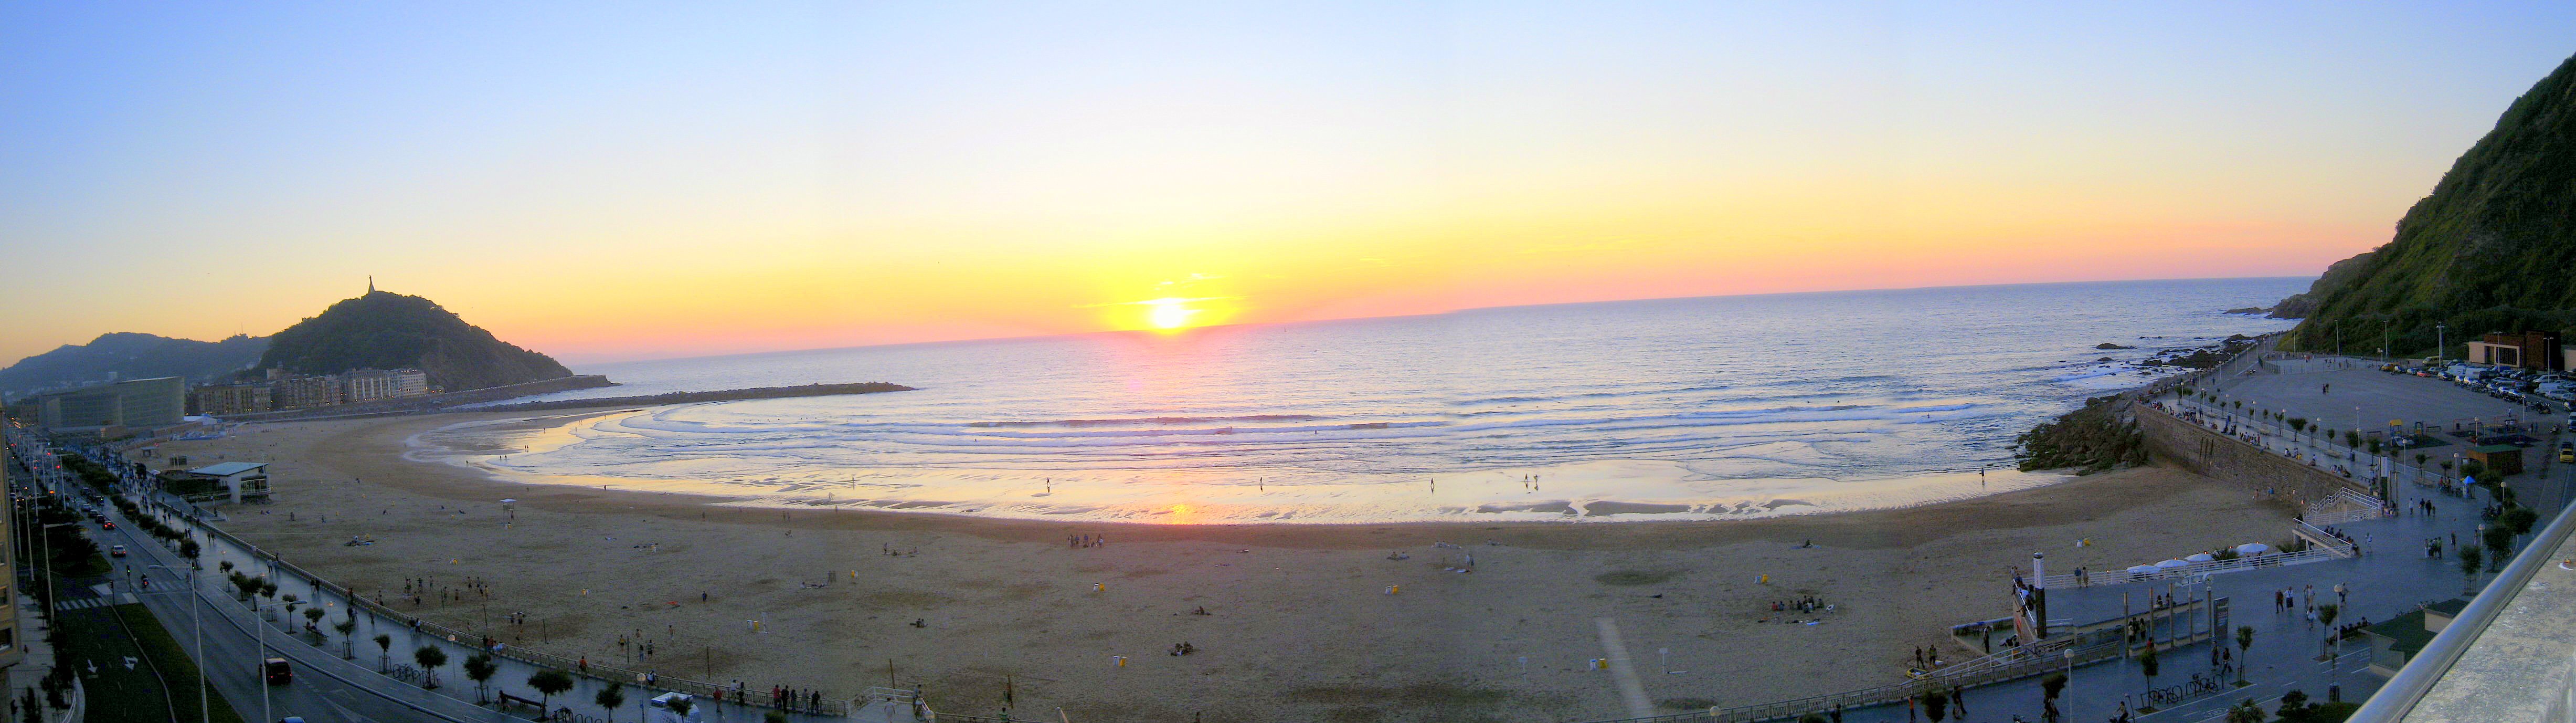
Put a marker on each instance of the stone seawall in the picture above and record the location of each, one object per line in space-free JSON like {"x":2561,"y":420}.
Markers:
{"x":2210,"y":454}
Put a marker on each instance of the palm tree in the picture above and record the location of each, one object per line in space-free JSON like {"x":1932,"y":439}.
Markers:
{"x":385,"y":652}
{"x":2244,"y":642}
{"x":479,"y":668}
{"x":2245,"y":711}
{"x":1936,"y":706}
{"x":2326,"y":616}
{"x":2049,"y":688}
{"x":548,"y":683}
{"x":429,"y":657}
{"x":2148,"y":664}
{"x":609,"y":699}
{"x":313,"y":620}
{"x":348,"y":624}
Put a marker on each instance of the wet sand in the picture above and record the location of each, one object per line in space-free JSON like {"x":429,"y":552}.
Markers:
{"x":1299,"y":628}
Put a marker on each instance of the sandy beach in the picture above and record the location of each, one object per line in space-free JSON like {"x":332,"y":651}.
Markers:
{"x":1299,"y":626}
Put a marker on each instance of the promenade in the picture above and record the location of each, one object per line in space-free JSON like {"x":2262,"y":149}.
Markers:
{"x":351,"y":679}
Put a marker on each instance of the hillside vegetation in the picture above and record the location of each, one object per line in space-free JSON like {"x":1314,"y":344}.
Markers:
{"x":126,"y":355}
{"x":384,"y":330}
{"x":2491,"y":249}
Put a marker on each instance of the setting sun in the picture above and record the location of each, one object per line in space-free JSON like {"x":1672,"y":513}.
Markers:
{"x":1168,"y":313}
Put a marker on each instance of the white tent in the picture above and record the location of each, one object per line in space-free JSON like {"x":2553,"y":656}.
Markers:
{"x":2201,"y":557}
{"x":2173,"y":563}
{"x":2253,"y":548}
{"x":2145,"y":569}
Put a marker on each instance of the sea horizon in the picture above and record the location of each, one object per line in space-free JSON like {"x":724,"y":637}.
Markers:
{"x":1699,"y":408}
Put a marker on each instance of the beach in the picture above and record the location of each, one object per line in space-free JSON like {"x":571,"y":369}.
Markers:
{"x":1300,"y":625}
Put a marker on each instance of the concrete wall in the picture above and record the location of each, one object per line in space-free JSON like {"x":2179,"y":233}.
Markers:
{"x":2213,"y":455}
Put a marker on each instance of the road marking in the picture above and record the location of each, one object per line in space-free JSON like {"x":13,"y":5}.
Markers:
{"x":1630,"y":690}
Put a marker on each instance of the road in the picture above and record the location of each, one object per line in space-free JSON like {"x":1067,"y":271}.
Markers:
{"x":326,"y":688}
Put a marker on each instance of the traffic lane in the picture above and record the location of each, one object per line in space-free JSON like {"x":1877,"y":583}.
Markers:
{"x":325,"y":688}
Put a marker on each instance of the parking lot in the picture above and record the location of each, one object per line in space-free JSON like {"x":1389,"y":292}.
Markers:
{"x":2360,"y":396}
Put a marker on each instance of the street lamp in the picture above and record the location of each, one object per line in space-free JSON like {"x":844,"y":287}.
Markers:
{"x":196,"y":631}
{"x":259,"y":656}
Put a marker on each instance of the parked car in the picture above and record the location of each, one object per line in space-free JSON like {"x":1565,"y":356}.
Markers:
{"x":116,"y":551}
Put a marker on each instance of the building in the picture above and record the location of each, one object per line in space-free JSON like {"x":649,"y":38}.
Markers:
{"x":2394,"y":642}
{"x":228,"y":399}
{"x":371,"y":384}
{"x":301,"y":392}
{"x":12,"y":645}
{"x":237,"y":481}
{"x":138,"y":403}
{"x":2499,"y":459}
{"x":2527,"y":350}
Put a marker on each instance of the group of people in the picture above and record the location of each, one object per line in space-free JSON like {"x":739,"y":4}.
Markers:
{"x":1183,"y":648}
{"x":1085,"y":540}
{"x":1804,"y":604}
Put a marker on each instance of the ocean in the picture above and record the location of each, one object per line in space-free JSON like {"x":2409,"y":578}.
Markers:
{"x":1704,"y":408}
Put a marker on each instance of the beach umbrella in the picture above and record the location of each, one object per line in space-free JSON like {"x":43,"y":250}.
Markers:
{"x":508,"y":501}
{"x":2253,"y":548}
{"x":2173,"y":563}
{"x":2144,"y":569}
{"x":2201,"y":557}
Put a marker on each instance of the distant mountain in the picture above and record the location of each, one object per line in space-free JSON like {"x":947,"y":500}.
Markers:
{"x":383,"y":330}
{"x":2490,"y":250}
{"x":131,"y":356}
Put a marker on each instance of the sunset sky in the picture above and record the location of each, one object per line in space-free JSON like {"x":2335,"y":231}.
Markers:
{"x":626,"y":180}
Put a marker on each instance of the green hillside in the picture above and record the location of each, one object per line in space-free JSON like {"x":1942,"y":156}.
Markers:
{"x":2491,"y":249}
{"x":384,"y":330}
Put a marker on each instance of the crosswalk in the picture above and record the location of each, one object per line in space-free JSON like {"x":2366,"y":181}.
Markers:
{"x":94,"y":602}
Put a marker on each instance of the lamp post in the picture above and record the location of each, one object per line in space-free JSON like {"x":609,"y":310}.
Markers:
{"x":49,"y":565}
{"x":259,"y":657}
{"x":197,"y":632}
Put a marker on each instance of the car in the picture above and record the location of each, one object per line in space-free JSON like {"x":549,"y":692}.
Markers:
{"x":277,"y":671}
{"x":107,"y":525}
{"x":116,"y":551}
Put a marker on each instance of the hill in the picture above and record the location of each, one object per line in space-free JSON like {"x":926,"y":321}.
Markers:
{"x":131,"y":356}
{"x":383,"y":330}
{"x":2488,"y":250}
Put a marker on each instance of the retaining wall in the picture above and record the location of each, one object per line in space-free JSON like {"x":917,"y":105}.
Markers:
{"x":2216,"y":456}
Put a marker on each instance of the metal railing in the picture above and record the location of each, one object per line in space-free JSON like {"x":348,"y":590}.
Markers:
{"x":2240,"y":564}
{"x":2035,"y":663}
{"x":2407,"y":688}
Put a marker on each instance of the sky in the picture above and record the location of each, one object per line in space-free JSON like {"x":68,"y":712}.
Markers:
{"x":636,"y":180}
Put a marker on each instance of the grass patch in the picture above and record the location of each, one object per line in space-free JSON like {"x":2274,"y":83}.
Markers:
{"x":1633,"y":577}
{"x":91,"y":635}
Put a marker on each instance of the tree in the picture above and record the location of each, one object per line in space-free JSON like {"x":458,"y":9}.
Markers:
{"x":479,"y":668}
{"x":2149,"y":665}
{"x":313,"y":619}
{"x":2499,"y":539}
{"x":348,"y":643}
{"x":384,"y":652}
{"x":681,"y":706}
{"x":2326,"y":615}
{"x":779,"y":717}
{"x":226,"y":566}
{"x":548,"y":683}
{"x":2472,"y":558}
{"x":2245,"y":711}
{"x":610,"y":698}
{"x":2294,"y":705}
{"x":2419,"y":459}
{"x":1936,"y":705}
{"x":190,"y":550}
{"x":2244,"y":642}
{"x":2521,"y":519}
{"x":429,"y":657}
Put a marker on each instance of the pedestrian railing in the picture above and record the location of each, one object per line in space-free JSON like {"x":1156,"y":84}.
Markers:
{"x":2028,"y":664}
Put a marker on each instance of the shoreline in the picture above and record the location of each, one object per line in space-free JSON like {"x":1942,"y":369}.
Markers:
{"x":1301,"y":627}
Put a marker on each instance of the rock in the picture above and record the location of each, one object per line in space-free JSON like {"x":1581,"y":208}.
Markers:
{"x":2109,"y":345}
{"x":2249,"y":310}
{"x":2103,"y":359}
